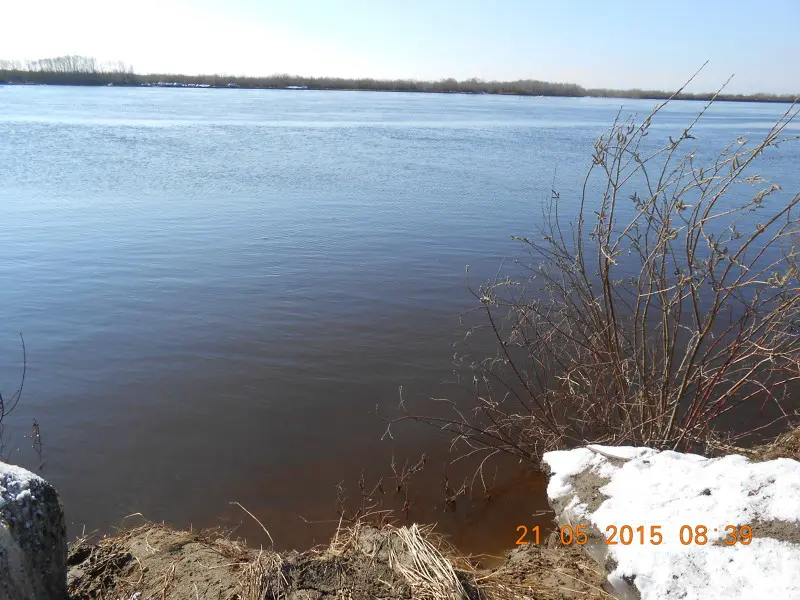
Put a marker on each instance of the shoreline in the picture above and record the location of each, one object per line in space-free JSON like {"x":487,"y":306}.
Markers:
{"x":245,"y":83}
{"x":360,"y":562}
{"x":372,"y":559}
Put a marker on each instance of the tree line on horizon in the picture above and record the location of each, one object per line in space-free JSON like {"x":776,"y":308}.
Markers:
{"x":87,"y":71}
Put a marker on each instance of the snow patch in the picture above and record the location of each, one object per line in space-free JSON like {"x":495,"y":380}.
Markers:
{"x":672,"y":490}
{"x":15,"y":484}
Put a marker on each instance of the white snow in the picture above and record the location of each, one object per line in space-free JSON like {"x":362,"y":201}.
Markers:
{"x":671,"y":490}
{"x":15,"y":484}
{"x":23,"y":495}
{"x":565,"y":464}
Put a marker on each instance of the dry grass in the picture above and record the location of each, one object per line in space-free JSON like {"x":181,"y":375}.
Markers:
{"x":550,"y":573}
{"x":786,"y":445}
{"x":411,"y":563}
{"x":162,"y":563}
{"x":434,"y":569}
{"x":262,"y":577}
{"x":426,"y":570}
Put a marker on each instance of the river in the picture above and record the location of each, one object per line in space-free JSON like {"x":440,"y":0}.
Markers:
{"x":217,"y":288}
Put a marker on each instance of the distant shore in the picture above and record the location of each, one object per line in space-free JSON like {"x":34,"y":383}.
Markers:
{"x":289,"y":82}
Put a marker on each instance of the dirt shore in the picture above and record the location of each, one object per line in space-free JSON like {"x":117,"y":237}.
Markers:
{"x":361,"y":562}
{"x":153,"y":561}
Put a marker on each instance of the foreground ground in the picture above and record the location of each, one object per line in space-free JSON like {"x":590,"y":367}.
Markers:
{"x":361,"y":562}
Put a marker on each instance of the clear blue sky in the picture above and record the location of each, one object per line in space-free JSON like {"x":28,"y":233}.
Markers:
{"x":616,"y":43}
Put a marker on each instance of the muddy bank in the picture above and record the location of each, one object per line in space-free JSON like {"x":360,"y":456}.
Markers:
{"x":154,"y":561}
{"x":360,"y":562}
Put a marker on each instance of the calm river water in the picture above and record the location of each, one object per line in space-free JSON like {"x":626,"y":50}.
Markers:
{"x":217,"y":288}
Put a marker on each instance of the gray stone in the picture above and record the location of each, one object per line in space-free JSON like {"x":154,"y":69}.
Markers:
{"x":33,"y":538}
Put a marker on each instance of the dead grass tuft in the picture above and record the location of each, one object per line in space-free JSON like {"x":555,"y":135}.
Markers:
{"x":550,"y":572}
{"x":426,"y":570}
{"x":786,"y":445}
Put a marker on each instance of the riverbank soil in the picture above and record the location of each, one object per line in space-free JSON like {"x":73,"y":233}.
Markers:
{"x":786,"y":445}
{"x":361,"y":562}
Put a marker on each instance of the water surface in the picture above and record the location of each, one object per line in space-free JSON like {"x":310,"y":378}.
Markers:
{"x":217,"y":288}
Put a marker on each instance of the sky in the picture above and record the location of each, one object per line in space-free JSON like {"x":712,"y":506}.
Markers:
{"x":613,"y":43}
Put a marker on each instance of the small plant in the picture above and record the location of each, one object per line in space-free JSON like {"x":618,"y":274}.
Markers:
{"x":665,"y":311}
{"x":9,"y":403}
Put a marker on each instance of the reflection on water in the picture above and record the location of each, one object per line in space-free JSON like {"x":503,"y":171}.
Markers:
{"x":218,"y":289}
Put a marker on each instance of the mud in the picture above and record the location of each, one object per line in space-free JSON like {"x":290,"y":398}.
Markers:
{"x":783,"y":531}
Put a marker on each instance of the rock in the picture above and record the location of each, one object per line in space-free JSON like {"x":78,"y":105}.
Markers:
{"x":33,"y":538}
{"x":668,"y":525}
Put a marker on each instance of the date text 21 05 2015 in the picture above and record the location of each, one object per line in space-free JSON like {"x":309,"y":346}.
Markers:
{"x":641,"y":535}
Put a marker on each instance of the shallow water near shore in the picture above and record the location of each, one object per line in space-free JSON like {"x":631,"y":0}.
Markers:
{"x":218,"y":289}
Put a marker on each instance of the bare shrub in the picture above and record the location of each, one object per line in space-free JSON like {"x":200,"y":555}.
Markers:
{"x":9,"y":403}
{"x":666,"y":310}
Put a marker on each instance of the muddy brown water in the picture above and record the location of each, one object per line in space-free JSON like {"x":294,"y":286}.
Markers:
{"x":219,"y":288}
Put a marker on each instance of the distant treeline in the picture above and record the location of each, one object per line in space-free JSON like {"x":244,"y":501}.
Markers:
{"x":81,"y":70}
